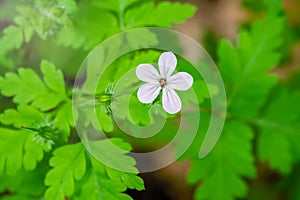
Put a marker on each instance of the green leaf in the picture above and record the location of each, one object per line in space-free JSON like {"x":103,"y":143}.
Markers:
{"x":118,"y":16}
{"x":105,"y":183}
{"x":139,"y":112}
{"x":24,"y":183}
{"x":177,"y":13}
{"x":102,"y":182}
{"x":30,"y":18}
{"x":88,"y":30}
{"x":64,"y":118}
{"x":244,"y":67}
{"x":53,"y":77}
{"x":112,"y":153}
{"x":26,"y":28}
{"x":69,"y":165}
{"x":24,"y":116}
{"x":47,"y":101}
{"x":229,"y":63}
{"x":33,"y":154}
{"x":257,"y":49}
{"x":130,"y":180}
{"x":12,"y":39}
{"x":279,"y":131}
{"x":130,"y":61}
{"x":11,"y":150}
{"x":100,"y":187}
{"x":69,"y":5}
{"x":41,"y":17}
{"x":56,"y":92}
{"x":112,"y":5}
{"x":46,"y":132}
{"x":200,"y":88}
{"x":27,"y":87}
{"x":104,"y":119}
{"x":251,"y":96}
{"x":24,"y":86}
{"x":116,"y":6}
{"x":18,"y":151}
{"x":222,"y":171}
{"x":146,"y":36}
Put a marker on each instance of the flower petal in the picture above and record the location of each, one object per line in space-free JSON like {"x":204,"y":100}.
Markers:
{"x":171,"y":101}
{"x":148,"y":92}
{"x":147,"y":73}
{"x":180,"y":81}
{"x":167,"y":63}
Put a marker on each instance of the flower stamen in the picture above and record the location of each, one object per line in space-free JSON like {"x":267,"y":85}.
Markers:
{"x":162,"y":82}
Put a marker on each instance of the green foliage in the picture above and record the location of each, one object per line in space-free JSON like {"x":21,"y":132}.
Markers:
{"x":133,"y":17}
{"x":255,"y":53}
{"x":280,"y":132}
{"x":96,"y":182}
{"x":69,"y":165}
{"x":118,"y":16}
{"x":106,"y":183}
{"x":26,"y":116}
{"x":138,"y":113}
{"x":18,"y":150}
{"x":223,"y":170}
{"x":106,"y":152}
{"x":41,"y":156}
{"x":12,"y":39}
{"x":37,"y":134}
{"x":99,"y":186}
{"x":88,"y":31}
{"x":41,"y":17}
{"x":45,"y":125}
{"x":248,"y":84}
{"x":24,"y":184}
{"x":27,"y":87}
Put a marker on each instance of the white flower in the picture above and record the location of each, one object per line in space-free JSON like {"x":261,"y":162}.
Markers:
{"x":164,"y":81}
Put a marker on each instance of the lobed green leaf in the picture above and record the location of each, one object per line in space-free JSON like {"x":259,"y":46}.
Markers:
{"x":69,"y":165}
